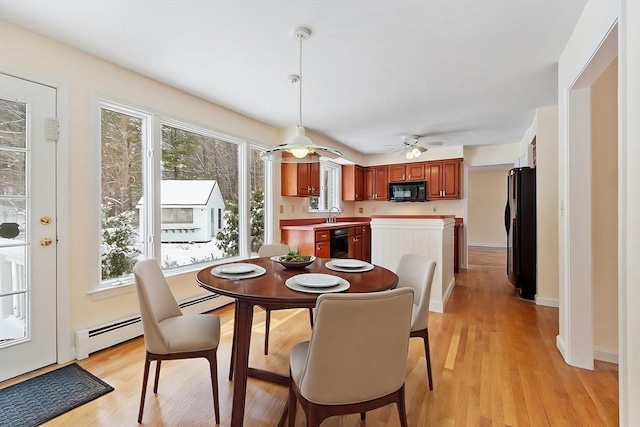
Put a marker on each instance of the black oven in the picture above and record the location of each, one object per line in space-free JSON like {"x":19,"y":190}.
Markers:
{"x":339,"y":243}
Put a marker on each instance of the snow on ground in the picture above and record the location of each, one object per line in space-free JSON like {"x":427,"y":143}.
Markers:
{"x":176,"y":254}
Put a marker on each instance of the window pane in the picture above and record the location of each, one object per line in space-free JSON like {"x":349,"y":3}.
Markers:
{"x":13,"y":166}
{"x":200,"y":184}
{"x":13,"y":318}
{"x":256,"y":185}
{"x":12,"y":220}
{"x":13,"y":121}
{"x":121,"y":168}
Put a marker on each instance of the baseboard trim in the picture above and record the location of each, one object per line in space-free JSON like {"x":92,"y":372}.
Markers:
{"x":562,"y":348}
{"x":605,"y":355}
{"x":547,"y":302}
{"x":487,"y":245}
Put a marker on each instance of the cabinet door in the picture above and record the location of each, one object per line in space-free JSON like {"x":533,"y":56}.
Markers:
{"x":369,"y":183}
{"x":381,"y":183}
{"x":434,"y":173}
{"x":314,"y":178}
{"x":359,"y":183}
{"x":323,"y":249}
{"x":366,"y":243}
{"x":450,"y":179}
{"x":414,"y":172}
{"x":397,"y":173}
{"x":352,"y":183}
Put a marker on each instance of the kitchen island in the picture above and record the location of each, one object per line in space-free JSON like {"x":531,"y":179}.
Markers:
{"x":428,"y":235}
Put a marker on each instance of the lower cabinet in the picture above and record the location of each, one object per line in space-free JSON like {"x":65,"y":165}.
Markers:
{"x":318,"y":243}
{"x":323,"y":244}
{"x":355,"y":242}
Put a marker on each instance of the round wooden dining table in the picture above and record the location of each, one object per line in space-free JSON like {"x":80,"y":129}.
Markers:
{"x":269,"y":291}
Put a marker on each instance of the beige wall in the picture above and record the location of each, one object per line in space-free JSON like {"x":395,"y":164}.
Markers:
{"x":85,"y":76}
{"x":487,"y":195}
{"x":604,"y":193}
{"x":546,"y":133}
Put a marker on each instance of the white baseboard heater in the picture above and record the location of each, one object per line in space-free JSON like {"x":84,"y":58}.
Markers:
{"x":116,"y":332}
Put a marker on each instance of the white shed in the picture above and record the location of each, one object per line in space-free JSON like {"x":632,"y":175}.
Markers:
{"x":192,"y":210}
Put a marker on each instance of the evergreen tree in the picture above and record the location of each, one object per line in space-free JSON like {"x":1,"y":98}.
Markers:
{"x":227,"y":239}
{"x":119,"y":243}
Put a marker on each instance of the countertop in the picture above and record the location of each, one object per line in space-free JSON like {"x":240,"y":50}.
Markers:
{"x":411,"y":216}
{"x":324,"y":225}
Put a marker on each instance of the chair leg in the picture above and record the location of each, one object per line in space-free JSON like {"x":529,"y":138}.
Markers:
{"x":428,"y":357}
{"x":266,"y":332}
{"x":363,"y":415}
{"x":157,"y":377}
{"x":293,"y":402}
{"x":233,"y":347}
{"x":311,"y":317}
{"x":145,"y":378}
{"x":402,"y":411}
{"x":213,"y":367}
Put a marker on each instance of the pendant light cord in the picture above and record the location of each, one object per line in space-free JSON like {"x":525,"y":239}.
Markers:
{"x":300,"y":39}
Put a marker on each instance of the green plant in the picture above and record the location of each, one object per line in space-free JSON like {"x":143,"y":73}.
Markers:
{"x":119,"y":243}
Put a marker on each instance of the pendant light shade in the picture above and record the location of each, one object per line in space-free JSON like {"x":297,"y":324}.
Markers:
{"x":300,"y":147}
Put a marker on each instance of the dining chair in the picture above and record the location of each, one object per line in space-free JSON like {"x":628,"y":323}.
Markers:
{"x":168,"y":334}
{"x":416,"y":272}
{"x":266,"y":250}
{"x":356,"y":359}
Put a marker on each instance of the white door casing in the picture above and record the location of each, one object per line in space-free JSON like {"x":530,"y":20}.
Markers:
{"x":27,"y":197}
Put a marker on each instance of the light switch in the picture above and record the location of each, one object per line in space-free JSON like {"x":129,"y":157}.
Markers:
{"x":360,"y":210}
{"x":281,"y":208}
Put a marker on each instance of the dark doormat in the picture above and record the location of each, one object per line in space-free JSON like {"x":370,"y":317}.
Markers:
{"x":39,"y":399}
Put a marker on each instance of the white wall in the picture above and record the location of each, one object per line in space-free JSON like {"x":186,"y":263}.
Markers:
{"x":598,"y":18}
{"x":30,"y":55}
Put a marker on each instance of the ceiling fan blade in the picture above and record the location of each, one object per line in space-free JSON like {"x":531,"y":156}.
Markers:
{"x":430,"y":143}
{"x":403,"y":147}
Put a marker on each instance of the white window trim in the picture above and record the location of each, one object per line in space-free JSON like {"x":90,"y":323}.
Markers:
{"x":153,"y":129}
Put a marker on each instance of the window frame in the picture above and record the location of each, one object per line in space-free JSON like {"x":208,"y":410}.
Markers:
{"x":337,"y":170}
{"x":152,"y":176}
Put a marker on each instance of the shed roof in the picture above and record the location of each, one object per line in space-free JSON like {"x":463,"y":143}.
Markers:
{"x":185,"y":192}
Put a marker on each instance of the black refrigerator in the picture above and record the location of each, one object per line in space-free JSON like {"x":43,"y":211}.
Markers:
{"x":520,"y":224}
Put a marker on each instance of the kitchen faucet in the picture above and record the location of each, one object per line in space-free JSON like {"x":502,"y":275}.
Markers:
{"x":332,"y":218}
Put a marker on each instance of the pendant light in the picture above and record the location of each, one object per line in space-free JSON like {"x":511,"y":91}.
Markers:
{"x":299,"y":146}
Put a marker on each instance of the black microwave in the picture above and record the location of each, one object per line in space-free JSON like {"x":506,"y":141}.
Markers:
{"x":408,"y":191}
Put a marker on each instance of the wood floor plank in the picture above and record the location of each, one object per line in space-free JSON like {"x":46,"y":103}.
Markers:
{"x":494,"y":362}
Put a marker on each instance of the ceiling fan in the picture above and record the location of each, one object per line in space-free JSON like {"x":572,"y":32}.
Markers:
{"x":411,"y":147}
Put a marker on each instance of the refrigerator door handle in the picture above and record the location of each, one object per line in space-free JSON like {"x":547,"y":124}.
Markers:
{"x":507,"y":218}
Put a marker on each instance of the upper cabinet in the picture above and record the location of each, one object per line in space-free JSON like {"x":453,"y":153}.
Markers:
{"x":352,"y":183}
{"x":407,"y":172}
{"x":376,"y":183}
{"x":443,"y":179}
{"x":300,"y":179}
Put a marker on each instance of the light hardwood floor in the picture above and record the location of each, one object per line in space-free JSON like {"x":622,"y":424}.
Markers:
{"x":494,"y":363}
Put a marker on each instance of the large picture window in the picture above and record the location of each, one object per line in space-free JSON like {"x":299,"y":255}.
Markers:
{"x":178,"y":196}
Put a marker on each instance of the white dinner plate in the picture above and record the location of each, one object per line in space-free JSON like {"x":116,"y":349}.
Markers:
{"x":316,"y":280}
{"x":366,"y":267}
{"x":255,"y":272}
{"x":240,"y":268}
{"x":340,"y":287}
{"x":349,"y":263}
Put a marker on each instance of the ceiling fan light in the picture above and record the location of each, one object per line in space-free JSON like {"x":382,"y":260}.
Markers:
{"x":416,"y":153}
{"x":409,"y":154}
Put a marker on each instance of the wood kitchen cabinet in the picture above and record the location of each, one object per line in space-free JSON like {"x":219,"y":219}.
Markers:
{"x":355,"y":242}
{"x":300,"y":179}
{"x":352,"y":183}
{"x":376,"y":182}
{"x":308,"y":242}
{"x":407,"y":172}
{"x":323,"y":244}
{"x":443,"y":179}
{"x":366,"y":243}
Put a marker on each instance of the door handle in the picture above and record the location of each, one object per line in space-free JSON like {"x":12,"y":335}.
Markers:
{"x":45,"y":241}
{"x":507,"y":218}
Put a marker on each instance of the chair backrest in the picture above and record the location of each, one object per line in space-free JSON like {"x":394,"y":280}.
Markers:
{"x":416,"y":272}
{"x":157,"y":303}
{"x":358,"y":348}
{"x":273,"y":249}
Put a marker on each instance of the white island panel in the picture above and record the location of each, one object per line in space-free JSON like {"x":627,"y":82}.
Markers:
{"x":393,"y":237}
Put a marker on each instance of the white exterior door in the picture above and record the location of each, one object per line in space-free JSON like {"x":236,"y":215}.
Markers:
{"x":27,"y":227}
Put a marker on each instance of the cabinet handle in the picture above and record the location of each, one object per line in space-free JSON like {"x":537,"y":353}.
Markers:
{"x":409,"y":177}
{"x":403,"y":177}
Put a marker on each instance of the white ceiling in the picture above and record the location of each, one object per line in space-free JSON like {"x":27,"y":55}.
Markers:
{"x":468,"y":72}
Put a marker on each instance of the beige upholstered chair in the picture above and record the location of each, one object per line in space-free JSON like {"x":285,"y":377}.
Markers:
{"x":416,"y":272}
{"x":168,"y":334}
{"x":356,"y":359}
